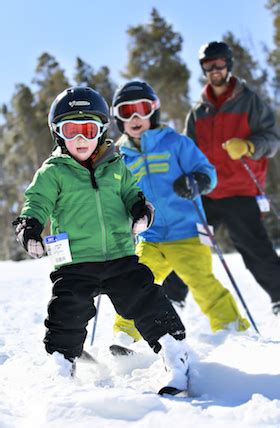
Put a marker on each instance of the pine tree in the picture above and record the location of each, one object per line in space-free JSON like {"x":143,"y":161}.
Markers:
{"x":50,"y":81}
{"x":273,"y":179}
{"x":154,"y":56}
{"x":20,"y":160}
{"x":274,"y":55}
{"x":25,"y":143}
{"x":246,"y":67}
{"x":100,"y":80}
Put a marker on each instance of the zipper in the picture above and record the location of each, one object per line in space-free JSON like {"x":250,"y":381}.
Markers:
{"x":102,"y":223}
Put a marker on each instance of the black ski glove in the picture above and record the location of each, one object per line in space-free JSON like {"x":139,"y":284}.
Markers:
{"x":192,"y":185}
{"x":142,"y":213}
{"x":28,"y":233}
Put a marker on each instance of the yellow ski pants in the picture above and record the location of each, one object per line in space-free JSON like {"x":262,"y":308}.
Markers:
{"x":192,"y":262}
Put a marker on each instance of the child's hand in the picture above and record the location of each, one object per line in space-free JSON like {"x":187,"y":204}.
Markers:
{"x":140,"y":225}
{"x":143,"y":215}
{"x":28,"y":233}
{"x":192,"y":185}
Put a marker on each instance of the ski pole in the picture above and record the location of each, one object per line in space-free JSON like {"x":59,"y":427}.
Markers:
{"x":260,"y":188}
{"x":221,"y":257}
{"x":95,"y":320}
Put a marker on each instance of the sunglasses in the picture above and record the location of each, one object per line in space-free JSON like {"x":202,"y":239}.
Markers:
{"x":217,"y":64}
{"x":88,"y":129}
{"x":141,"y":108}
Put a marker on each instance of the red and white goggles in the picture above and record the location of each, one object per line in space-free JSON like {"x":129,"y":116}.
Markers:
{"x":88,"y":129}
{"x":142,"y":108}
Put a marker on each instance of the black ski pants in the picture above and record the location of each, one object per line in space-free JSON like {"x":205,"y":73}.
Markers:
{"x":242,"y":217}
{"x":130,"y":287}
{"x":174,"y":288}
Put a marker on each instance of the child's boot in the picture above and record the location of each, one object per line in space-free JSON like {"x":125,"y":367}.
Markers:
{"x":175,"y":357}
{"x":63,"y":366}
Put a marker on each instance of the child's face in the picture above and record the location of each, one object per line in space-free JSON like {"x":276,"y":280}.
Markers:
{"x":80,"y":148}
{"x":136,"y":126}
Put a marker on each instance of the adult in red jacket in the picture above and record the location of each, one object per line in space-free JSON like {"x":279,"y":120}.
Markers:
{"x":229,"y":123}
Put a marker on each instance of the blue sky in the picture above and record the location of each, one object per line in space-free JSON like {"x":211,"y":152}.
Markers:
{"x":96,"y":32}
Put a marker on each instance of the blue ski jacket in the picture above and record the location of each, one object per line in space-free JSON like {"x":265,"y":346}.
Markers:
{"x":164,"y":156}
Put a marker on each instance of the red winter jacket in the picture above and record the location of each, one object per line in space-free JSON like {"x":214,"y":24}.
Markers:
{"x":243,"y":115}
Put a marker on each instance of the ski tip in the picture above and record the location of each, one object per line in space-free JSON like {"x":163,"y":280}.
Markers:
{"x":118,"y":350}
{"x":87,"y":358}
{"x":170,"y":390}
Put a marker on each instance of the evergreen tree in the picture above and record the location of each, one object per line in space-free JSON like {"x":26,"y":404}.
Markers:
{"x":4,"y":196}
{"x":50,"y":81}
{"x":246,"y":67}
{"x":273,"y":182}
{"x":20,"y":159}
{"x":153,"y":53}
{"x":25,"y":143}
{"x":274,"y":55}
{"x":100,"y":80}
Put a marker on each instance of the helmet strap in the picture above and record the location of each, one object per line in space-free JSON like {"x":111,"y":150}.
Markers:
{"x":228,"y":76}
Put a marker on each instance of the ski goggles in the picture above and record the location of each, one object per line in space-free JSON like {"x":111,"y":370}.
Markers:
{"x":141,"y":108}
{"x":88,"y":129}
{"x":217,"y":64}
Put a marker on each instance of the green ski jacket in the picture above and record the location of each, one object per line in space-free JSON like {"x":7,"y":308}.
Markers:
{"x":96,"y":218}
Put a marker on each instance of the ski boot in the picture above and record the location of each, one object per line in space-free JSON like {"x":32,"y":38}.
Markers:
{"x":175,"y":357}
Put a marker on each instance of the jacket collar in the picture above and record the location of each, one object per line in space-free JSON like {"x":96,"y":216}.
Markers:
{"x":237,"y":89}
{"x":106,"y":153}
{"x":126,"y":142}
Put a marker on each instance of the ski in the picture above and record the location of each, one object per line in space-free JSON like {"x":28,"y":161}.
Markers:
{"x":118,"y":350}
{"x":174,"y":392}
{"x":86,"y":357}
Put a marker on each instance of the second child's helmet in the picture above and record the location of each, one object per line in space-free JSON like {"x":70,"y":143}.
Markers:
{"x":80,"y":103}
{"x":133,"y":91}
{"x":215,"y":50}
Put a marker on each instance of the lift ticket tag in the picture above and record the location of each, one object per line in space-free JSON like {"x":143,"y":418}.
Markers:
{"x":58,"y":248}
{"x":203,"y":234}
{"x":263,"y":203}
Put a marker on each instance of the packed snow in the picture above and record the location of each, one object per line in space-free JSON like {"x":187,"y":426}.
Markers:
{"x":234,"y":377}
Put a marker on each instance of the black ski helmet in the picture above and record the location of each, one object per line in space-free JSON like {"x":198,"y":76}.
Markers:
{"x":136,"y":90}
{"x":77,"y":102}
{"x":215,"y":50}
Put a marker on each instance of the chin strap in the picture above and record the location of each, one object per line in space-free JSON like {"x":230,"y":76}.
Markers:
{"x":228,"y":76}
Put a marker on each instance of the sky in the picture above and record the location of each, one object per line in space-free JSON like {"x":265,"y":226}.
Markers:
{"x":96,"y":32}
{"x":234,"y":377}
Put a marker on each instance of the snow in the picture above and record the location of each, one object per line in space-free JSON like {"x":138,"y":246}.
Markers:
{"x":234,"y":377}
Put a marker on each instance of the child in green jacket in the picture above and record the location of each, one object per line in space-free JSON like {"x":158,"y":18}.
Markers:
{"x":94,"y":205}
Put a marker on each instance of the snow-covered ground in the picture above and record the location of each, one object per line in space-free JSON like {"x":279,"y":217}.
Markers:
{"x":234,"y":379}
